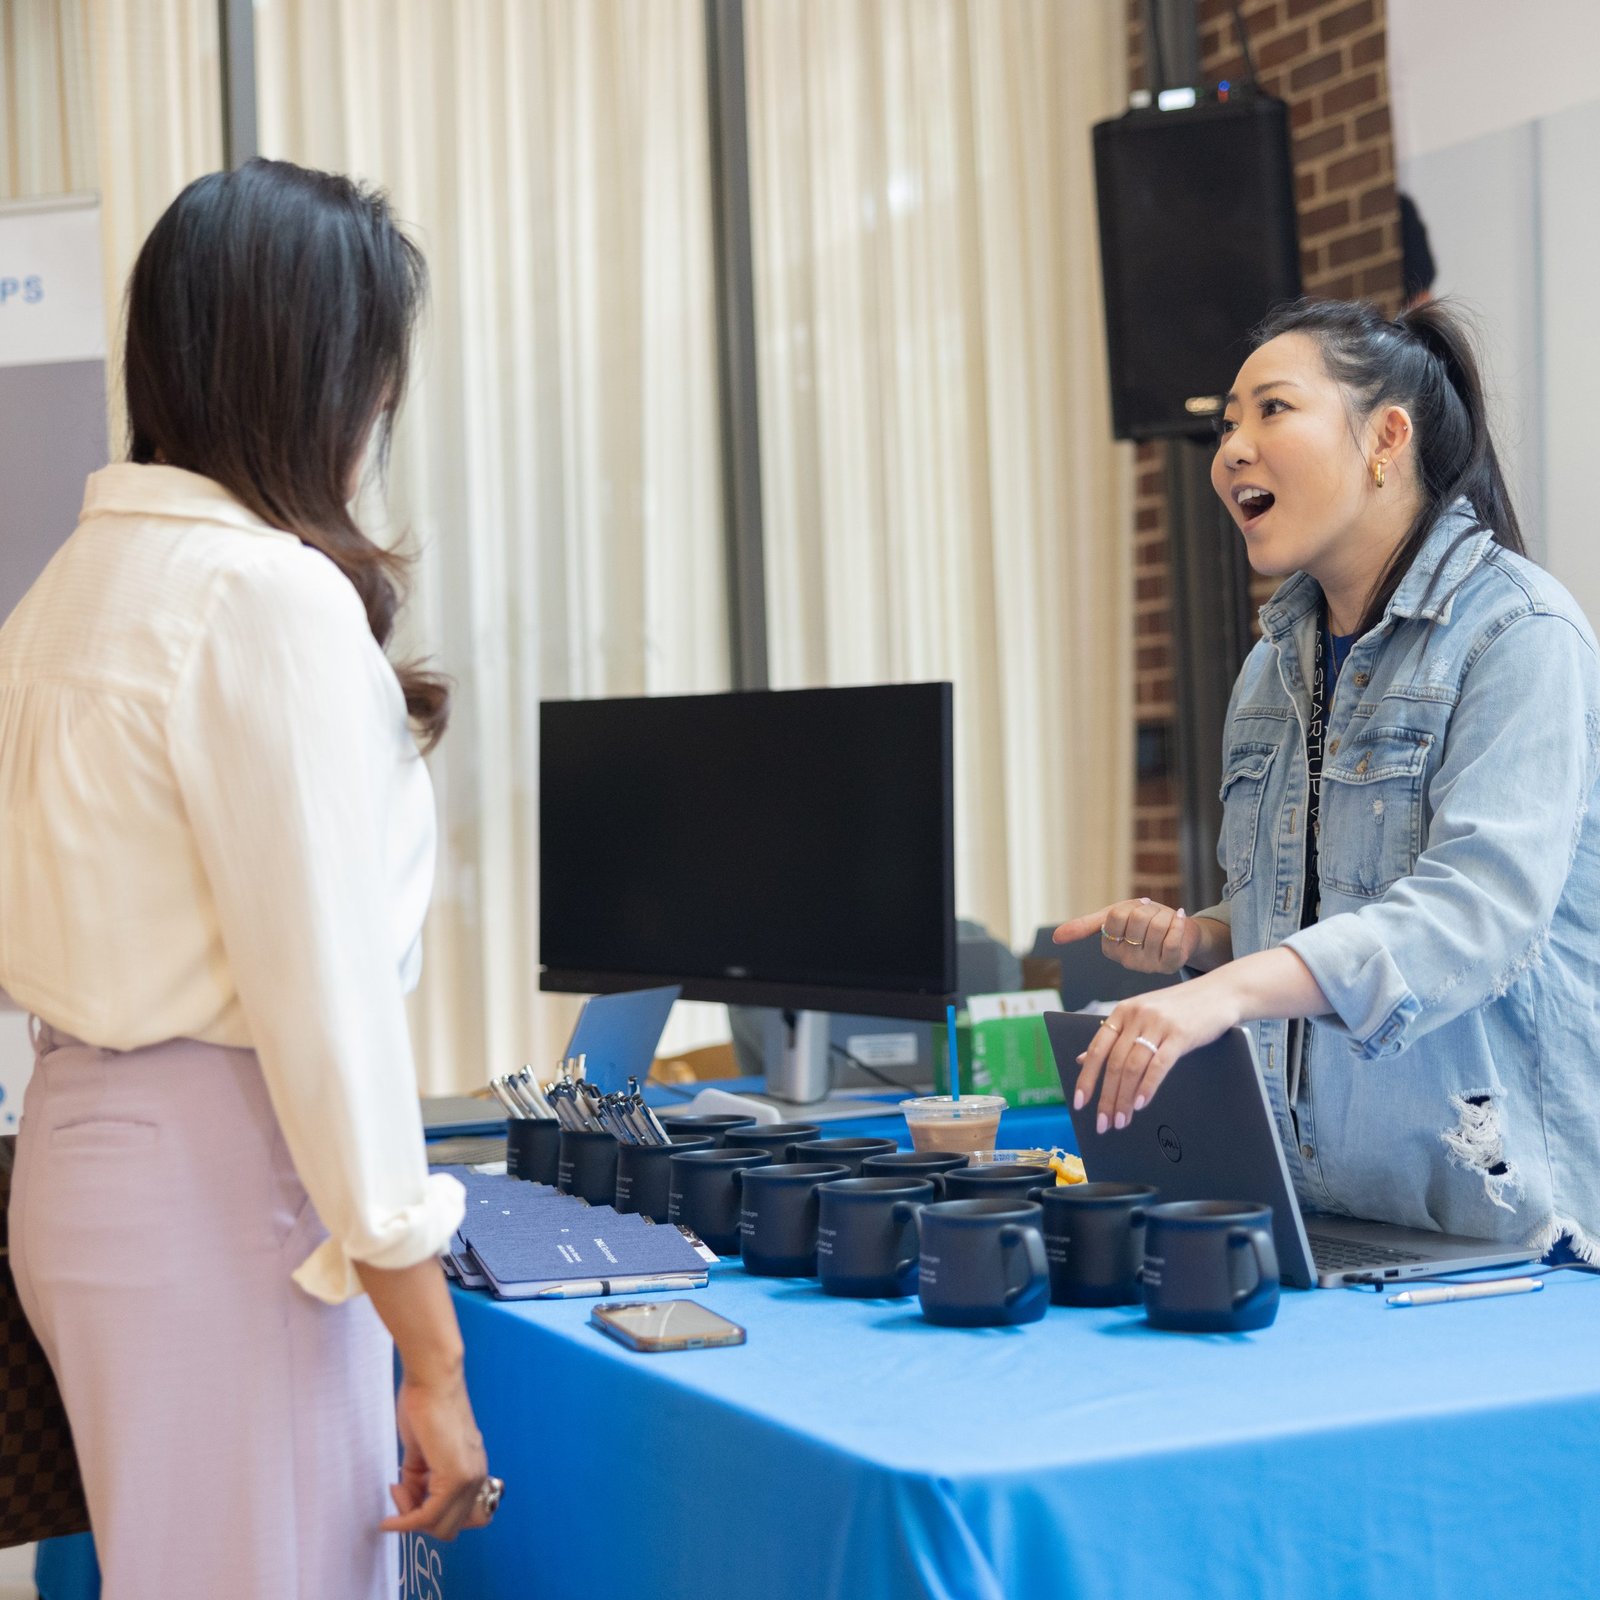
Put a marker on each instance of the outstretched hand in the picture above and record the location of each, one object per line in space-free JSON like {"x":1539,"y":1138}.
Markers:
{"x":1141,"y":935}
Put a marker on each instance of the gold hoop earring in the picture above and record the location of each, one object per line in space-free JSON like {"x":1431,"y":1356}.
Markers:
{"x":1377,"y":474}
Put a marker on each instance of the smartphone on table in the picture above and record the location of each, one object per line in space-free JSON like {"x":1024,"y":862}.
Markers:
{"x":652,"y":1325}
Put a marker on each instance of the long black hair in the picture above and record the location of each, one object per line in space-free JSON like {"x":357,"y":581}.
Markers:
{"x":270,"y":317}
{"x":1422,"y":360}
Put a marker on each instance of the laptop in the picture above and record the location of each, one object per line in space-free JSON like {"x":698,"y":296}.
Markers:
{"x":617,"y":1034}
{"x":1210,"y":1135}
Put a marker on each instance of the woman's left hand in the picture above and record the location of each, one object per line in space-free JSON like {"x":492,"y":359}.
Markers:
{"x":1140,"y":1041}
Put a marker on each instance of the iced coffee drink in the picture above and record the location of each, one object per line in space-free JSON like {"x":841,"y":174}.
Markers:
{"x":956,"y":1126}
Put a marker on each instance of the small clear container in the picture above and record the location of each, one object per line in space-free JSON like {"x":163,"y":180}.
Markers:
{"x":941,"y":1122}
{"x":1025,"y":1158}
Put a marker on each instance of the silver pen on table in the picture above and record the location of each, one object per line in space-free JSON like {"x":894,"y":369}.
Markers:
{"x":1467,"y":1291}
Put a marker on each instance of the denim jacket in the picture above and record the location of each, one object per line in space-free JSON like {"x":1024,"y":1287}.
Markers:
{"x":1456,"y":1084}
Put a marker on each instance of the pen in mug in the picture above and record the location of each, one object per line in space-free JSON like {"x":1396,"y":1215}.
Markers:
{"x":651,"y":1119}
{"x":627,"y":1104}
{"x":1467,"y":1291}
{"x":616,"y":1120}
{"x":591,"y":1101}
{"x":628,"y":1115}
{"x":503,"y":1095}
{"x":520,"y":1095}
{"x":535,"y":1093}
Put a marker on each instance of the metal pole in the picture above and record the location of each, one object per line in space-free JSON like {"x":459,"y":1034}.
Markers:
{"x":1210,"y":639}
{"x":237,"y":33}
{"x":736,"y":344}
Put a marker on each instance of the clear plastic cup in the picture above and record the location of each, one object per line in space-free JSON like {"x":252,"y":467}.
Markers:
{"x":938,"y":1122}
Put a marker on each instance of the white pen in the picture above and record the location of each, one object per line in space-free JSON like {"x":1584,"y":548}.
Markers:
{"x":1467,"y":1291}
{"x":579,"y":1290}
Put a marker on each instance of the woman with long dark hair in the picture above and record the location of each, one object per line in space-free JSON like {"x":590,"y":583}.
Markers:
{"x":216,"y":851}
{"x":1412,"y":857}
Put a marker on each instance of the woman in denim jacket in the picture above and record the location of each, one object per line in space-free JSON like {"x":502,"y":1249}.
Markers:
{"x":1412,"y":862}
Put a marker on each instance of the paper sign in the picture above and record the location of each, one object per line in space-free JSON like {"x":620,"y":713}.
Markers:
{"x":52,"y":299}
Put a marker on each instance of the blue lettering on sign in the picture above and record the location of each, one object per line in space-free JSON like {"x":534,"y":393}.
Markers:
{"x":421,"y":1567}
{"x":8,"y":288}
{"x":29,"y":290}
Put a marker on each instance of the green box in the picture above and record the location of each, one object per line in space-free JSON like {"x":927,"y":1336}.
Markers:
{"x":1009,"y":1056}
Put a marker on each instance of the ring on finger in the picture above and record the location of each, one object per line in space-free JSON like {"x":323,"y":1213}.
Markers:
{"x":488,"y":1497}
{"x":1134,"y":944}
{"x":1149,"y":1044}
{"x":1108,"y":1023}
{"x":1110,"y":938}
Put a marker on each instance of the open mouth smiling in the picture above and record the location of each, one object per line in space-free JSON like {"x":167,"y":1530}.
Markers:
{"x":1253,"y":503}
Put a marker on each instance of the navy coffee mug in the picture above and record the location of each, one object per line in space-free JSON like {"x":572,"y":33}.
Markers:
{"x":983,"y":1263}
{"x":929,"y":1164}
{"x":1094,"y":1237}
{"x":773,"y":1137}
{"x":717,"y":1123}
{"x":867,"y":1235}
{"x":644,"y":1177}
{"x":1210,"y":1266}
{"x":852,"y":1152}
{"x":533,"y":1149}
{"x":588,"y":1165}
{"x":778,"y":1217}
{"x":706,"y":1187}
{"x":1017,"y":1180}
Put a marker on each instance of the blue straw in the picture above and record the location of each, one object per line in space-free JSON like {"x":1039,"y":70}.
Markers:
{"x":955,"y":1064}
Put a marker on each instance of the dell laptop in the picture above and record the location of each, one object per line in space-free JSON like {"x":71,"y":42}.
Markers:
{"x":1209,"y":1134}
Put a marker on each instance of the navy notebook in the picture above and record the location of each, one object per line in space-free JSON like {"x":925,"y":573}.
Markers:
{"x":527,"y":1241}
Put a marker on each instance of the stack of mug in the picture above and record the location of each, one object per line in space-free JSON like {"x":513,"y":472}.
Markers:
{"x":980,"y":1245}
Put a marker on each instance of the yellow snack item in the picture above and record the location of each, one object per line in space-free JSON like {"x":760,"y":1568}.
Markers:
{"x":1067,"y":1168}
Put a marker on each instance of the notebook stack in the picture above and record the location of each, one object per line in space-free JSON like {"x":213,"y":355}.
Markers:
{"x":528,"y":1241}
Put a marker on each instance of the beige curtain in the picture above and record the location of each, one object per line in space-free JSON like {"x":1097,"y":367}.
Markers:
{"x":119,"y":97}
{"x":556,"y":467}
{"x":941,"y":495}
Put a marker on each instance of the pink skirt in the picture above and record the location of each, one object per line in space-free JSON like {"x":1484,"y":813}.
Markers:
{"x":236,"y":1436}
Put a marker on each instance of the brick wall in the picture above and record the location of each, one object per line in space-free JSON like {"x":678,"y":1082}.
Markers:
{"x":1327,"y":59}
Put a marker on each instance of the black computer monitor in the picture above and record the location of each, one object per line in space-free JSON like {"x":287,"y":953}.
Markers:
{"x":788,"y":848}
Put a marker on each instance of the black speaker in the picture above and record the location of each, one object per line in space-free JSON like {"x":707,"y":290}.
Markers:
{"x":1197,"y":241}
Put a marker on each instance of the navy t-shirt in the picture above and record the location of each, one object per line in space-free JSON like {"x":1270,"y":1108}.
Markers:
{"x":1332,"y":651}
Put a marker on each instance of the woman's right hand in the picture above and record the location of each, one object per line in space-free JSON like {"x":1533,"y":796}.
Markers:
{"x":443,"y":1471}
{"x":443,"y":1467}
{"x":1141,"y":935}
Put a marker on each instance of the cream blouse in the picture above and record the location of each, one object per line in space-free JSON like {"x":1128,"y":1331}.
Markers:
{"x":214,"y":824}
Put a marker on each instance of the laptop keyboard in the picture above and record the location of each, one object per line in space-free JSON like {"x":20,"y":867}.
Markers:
{"x":1342,"y":1255}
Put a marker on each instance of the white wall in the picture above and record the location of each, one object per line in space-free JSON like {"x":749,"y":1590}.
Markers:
{"x":1460,"y":69}
{"x":1569,"y":261}
{"x":1497,"y":119}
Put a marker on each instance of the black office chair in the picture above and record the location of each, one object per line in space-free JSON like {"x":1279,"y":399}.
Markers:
{"x":1087,"y":974}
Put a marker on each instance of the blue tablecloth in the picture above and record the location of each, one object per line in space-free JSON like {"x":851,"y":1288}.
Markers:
{"x":851,"y":1450}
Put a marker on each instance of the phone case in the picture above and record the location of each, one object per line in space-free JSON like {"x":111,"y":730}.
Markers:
{"x":651,"y":1344}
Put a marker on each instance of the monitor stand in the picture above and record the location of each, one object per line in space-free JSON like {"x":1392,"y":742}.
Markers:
{"x":795,"y":1053}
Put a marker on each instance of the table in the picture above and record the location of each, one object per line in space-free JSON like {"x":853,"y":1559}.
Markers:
{"x":850,"y":1451}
